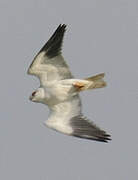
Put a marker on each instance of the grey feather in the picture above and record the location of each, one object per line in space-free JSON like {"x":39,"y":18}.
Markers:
{"x":54,"y":44}
{"x":84,"y":128}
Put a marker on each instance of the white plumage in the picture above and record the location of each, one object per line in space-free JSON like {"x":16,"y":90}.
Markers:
{"x":60,"y":91}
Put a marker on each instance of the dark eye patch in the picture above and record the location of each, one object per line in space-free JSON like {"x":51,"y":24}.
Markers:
{"x":33,"y":94}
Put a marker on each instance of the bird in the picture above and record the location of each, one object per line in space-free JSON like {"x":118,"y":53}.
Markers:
{"x":59,"y":90}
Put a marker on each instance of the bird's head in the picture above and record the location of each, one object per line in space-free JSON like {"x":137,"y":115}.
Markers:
{"x":38,"y":95}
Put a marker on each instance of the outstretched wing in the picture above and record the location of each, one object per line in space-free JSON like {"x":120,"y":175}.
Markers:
{"x":84,"y":128}
{"x":49,"y":65}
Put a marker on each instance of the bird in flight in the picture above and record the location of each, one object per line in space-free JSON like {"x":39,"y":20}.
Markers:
{"x":59,"y":90}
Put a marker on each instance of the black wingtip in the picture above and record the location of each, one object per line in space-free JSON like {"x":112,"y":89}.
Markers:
{"x":54,"y":44}
{"x":104,"y":139}
{"x":83,"y":128}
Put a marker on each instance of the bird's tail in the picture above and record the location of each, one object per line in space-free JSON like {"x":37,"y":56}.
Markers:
{"x":93,"y":82}
{"x":97,"y":80}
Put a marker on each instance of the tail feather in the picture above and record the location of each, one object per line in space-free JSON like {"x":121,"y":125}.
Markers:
{"x":96,"y":77}
{"x":98,"y":84}
{"x":98,"y":81}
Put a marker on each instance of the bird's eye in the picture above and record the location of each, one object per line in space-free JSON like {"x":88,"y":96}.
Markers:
{"x":33,"y":94}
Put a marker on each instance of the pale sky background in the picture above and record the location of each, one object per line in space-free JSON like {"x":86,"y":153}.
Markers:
{"x":102,"y":36}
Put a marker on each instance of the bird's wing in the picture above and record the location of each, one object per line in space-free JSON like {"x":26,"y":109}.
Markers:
{"x":66,"y":117}
{"x":84,"y":128}
{"x":49,"y":65}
